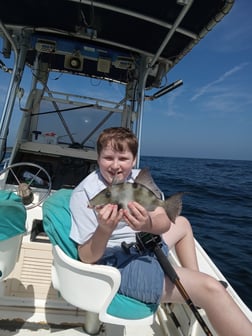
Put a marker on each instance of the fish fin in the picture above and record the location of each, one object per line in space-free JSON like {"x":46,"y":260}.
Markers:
{"x":116,"y":180}
{"x":145,"y":179}
{"x":173,"y":205}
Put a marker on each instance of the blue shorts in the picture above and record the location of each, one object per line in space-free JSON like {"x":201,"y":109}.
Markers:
{"x":142,"y":277}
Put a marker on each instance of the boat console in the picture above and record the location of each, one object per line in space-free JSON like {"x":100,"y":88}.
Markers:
{"x":66,"y":166}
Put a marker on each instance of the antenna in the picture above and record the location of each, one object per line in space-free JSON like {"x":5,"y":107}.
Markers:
{"x":165,"y":90}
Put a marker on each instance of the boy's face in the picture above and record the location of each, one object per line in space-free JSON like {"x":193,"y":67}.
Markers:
{"x":114,"y":164}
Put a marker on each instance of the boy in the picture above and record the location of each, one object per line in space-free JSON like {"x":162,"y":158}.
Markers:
{"x":99,"y":237}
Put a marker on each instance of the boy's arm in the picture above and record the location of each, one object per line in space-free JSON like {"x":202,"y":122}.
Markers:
{"x":94,"y":248}
{"x":108,"y":218}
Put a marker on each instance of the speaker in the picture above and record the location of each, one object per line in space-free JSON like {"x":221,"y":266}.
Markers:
{"x":73,"y":62}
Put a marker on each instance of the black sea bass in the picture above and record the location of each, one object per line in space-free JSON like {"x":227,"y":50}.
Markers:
{"x":143,"y":190}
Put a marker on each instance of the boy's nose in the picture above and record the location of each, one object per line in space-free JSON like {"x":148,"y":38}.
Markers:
{"x":115,"y":164}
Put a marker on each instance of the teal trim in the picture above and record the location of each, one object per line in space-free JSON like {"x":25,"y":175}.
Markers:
{"x":57,"y":224}
{"x":12,"y":214}
{"x":129,"y":308}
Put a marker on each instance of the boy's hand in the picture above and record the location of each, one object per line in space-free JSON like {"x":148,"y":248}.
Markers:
{"x":137,"y":217}
{"x":109,"y":216}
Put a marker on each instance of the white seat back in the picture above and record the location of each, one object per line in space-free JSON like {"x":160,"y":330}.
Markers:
{"x":12,"y":228}
{"x":89,"y":287}
{"x":9,"y":252}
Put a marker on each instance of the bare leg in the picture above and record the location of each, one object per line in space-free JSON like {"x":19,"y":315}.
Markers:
{"x":206,"y":292}
{"x":180,"y":236}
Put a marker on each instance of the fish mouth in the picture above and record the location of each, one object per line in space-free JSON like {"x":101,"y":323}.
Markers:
{"x":116,"y":176}
{"x":115,"y":173}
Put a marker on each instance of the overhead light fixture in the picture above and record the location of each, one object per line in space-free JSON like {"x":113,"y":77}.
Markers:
{"x":165,"y":90}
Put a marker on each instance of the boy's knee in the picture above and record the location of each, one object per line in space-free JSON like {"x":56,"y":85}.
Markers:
{"x":214,"y":286}
{"x":181,"y":220}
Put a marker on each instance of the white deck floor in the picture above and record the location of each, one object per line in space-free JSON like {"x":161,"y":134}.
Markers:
{"x":110,"y":330}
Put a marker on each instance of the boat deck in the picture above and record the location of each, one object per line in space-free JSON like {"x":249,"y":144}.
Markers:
{"x":22,"y":328}
{"x":31,"y":277}
{"x":110,"y":330}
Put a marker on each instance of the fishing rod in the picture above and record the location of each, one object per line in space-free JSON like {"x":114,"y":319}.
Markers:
{"x":148,"y":241}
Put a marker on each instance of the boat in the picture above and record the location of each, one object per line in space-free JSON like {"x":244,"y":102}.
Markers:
{"x":76,"y":67}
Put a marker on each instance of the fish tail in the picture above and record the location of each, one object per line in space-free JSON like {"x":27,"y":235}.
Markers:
{"x":173,"y":205}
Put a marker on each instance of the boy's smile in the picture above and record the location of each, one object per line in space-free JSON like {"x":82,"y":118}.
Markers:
{"x":115,"y":166}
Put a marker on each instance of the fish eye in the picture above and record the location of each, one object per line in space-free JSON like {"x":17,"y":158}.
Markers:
{"x":108,"y":193}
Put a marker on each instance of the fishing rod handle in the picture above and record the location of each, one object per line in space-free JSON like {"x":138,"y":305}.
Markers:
{"x":165,"y":264}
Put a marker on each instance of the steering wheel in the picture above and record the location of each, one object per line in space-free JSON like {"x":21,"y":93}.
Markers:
{"x":24,"y":189}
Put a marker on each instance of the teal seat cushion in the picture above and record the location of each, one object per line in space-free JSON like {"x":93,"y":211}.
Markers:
{"x":125,"y":307}
{"x":57,"y":225}
{"x":57,"y":221}
{"x":12,"y":215}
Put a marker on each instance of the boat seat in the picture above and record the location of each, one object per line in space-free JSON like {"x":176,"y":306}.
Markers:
{"x":12,"y":228}
{"x":89,"y":287}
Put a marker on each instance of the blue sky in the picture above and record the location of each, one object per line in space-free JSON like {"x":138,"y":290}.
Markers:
{"x":210,"y":115}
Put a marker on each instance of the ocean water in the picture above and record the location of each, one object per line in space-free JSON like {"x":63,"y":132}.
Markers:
{"x":219,"y":207}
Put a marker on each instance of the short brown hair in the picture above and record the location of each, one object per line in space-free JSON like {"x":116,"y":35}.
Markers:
{"x":120,"y":138}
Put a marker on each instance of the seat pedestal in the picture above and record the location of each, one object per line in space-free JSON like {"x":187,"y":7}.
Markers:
{"x":92,"y":323}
